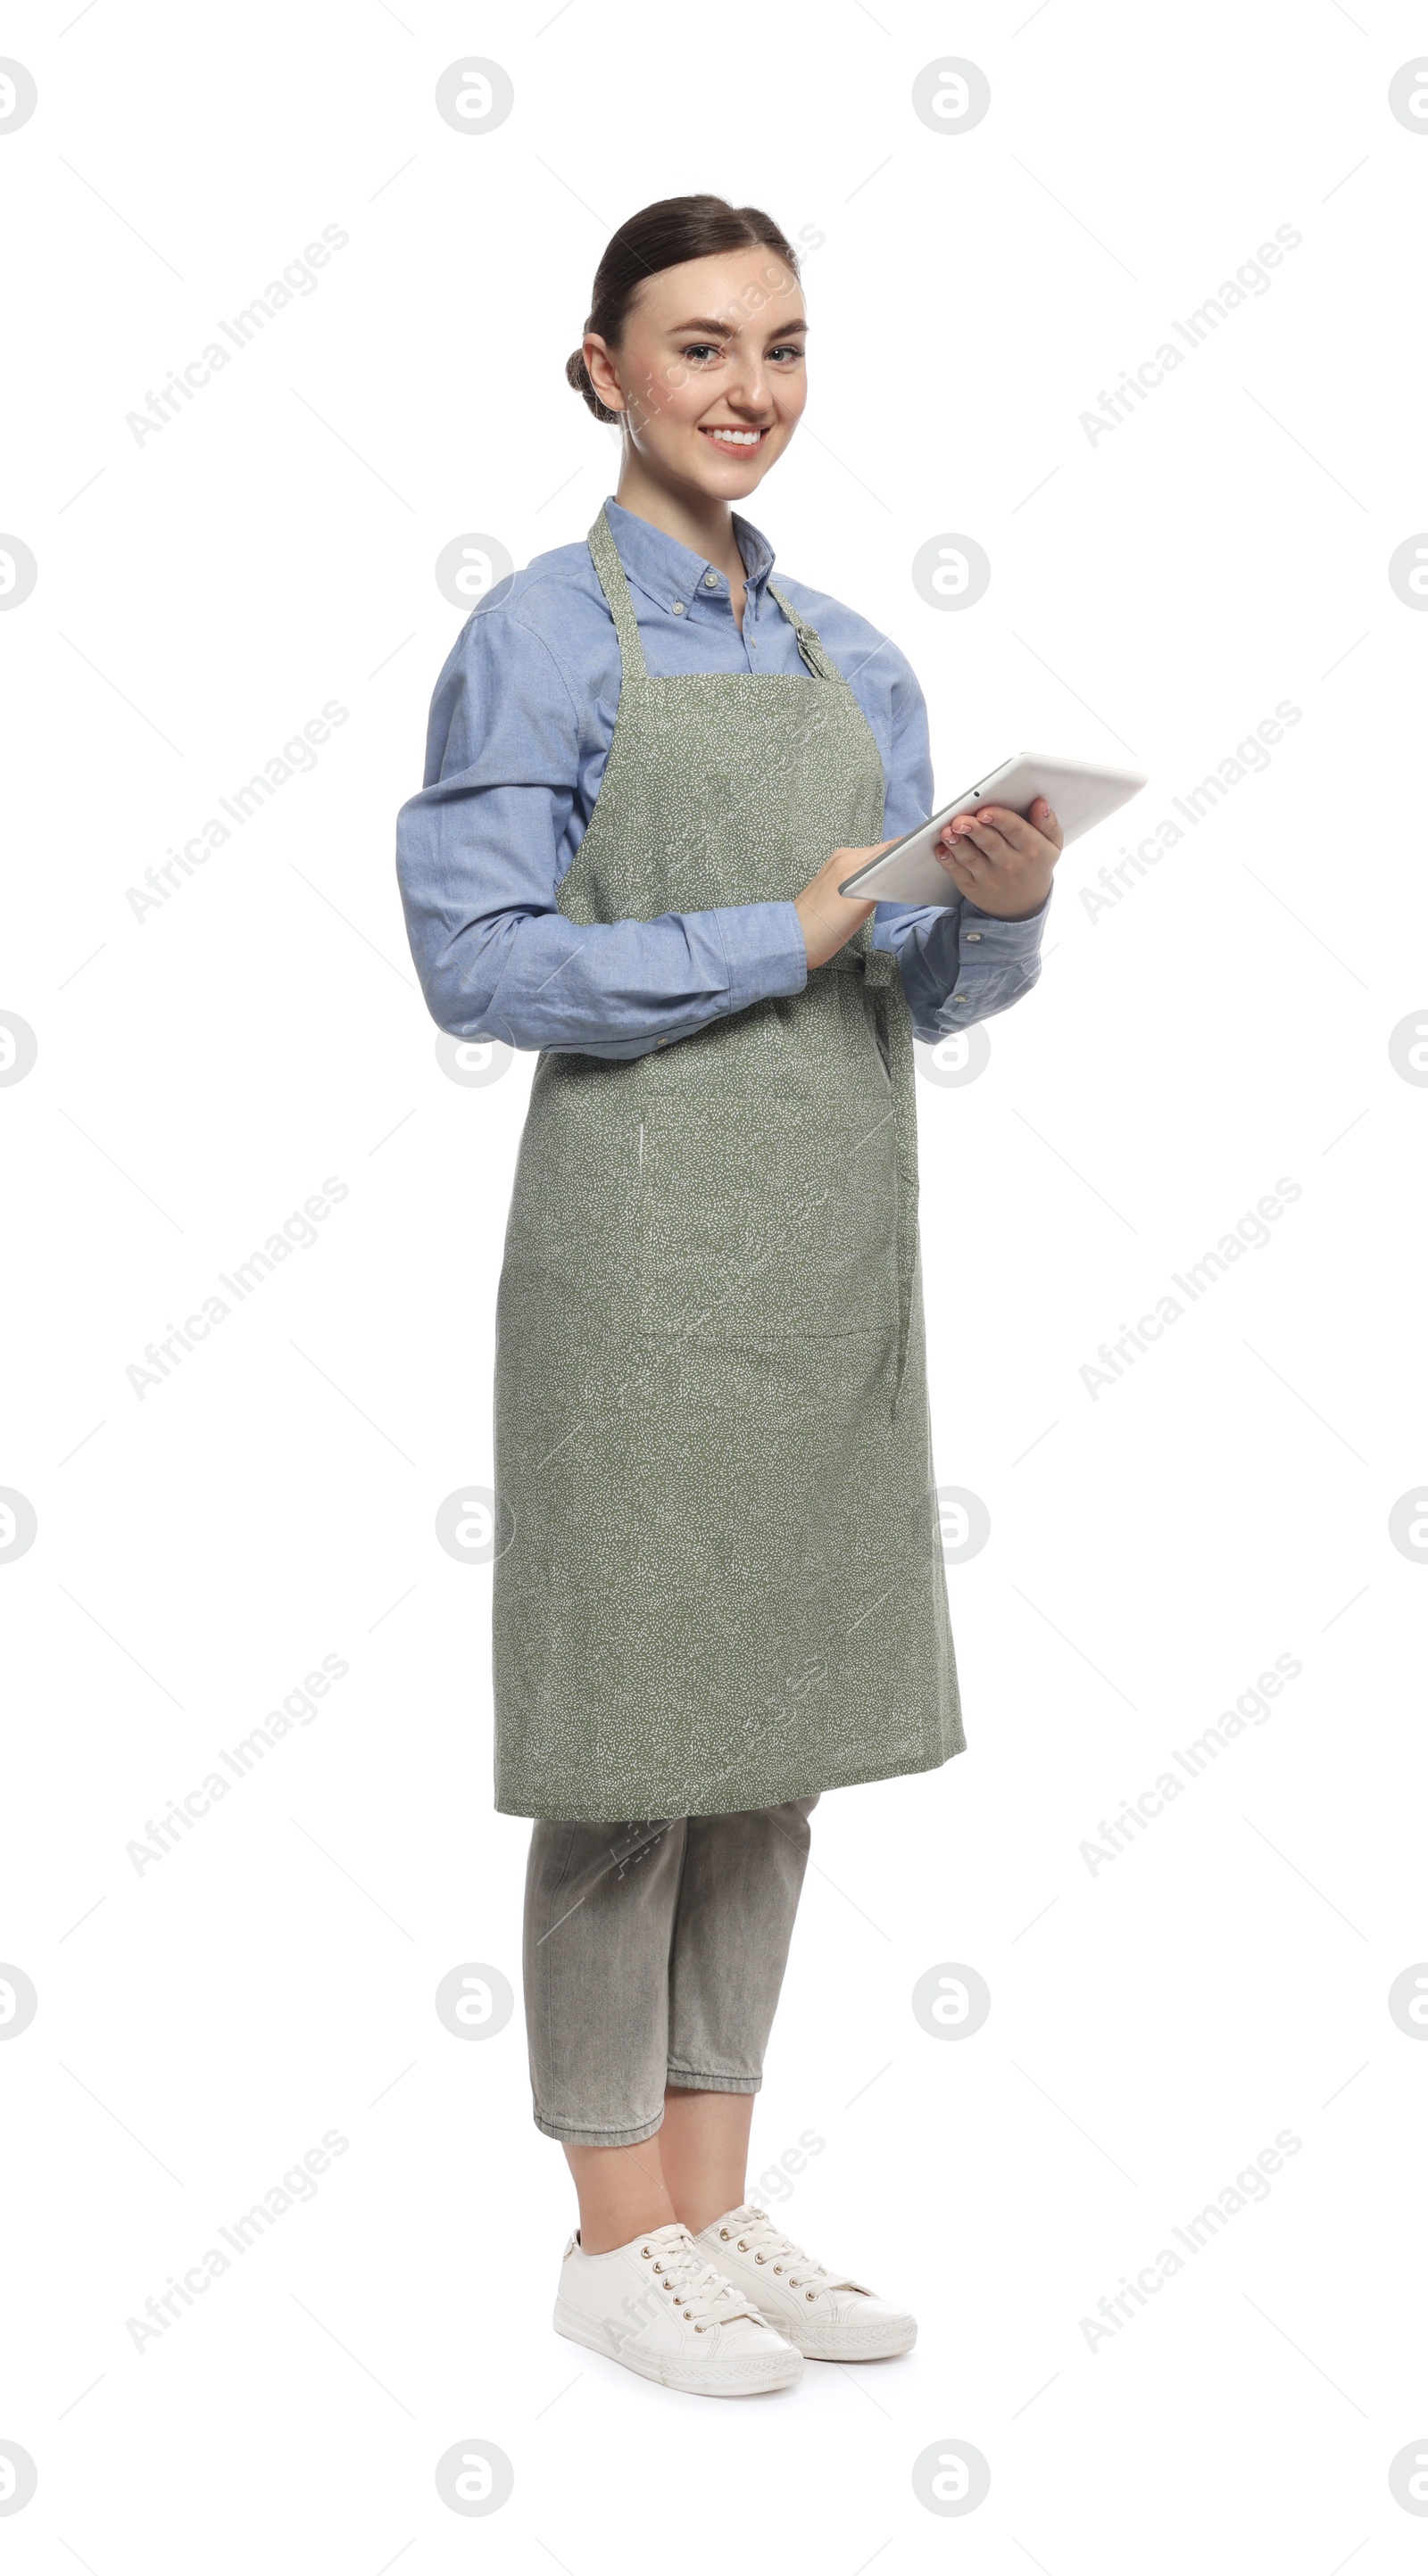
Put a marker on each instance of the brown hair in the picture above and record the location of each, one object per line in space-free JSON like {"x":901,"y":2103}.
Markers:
{"x":664,"y":235}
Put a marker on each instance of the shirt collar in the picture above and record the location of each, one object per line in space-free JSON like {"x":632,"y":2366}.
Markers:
{"x":668,"y":571}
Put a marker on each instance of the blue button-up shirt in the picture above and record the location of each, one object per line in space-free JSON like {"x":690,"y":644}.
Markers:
{"x":520,"y":729}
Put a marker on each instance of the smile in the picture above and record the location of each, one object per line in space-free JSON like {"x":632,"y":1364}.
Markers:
{"x":737,"y":441}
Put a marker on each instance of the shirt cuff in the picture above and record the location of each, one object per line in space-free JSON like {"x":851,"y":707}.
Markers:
{"x":997,"y":961}
{"x":764,"y":949}
{"x":1000,"y":943}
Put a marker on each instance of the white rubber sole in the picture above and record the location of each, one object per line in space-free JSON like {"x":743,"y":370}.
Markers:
{"x":872,"y":2344}
{"x":750,"y":2376}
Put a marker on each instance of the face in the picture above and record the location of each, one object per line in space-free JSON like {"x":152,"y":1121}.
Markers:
{"x":709,"y":371}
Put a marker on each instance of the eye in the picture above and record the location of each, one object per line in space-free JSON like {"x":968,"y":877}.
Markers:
{"x":700,"y":349}
{"x":787,"y":349}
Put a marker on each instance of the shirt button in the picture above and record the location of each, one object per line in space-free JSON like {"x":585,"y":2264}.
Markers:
{"x":974,"y":934}
{"x":961,"y":1000}
{"x":661,"y":1042}
{"x":711,"y":581}
{"x":678,"y":607}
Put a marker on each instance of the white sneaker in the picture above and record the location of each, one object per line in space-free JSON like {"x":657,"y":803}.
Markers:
{"x":827,"y":2316}
{"x":659,"y":2306}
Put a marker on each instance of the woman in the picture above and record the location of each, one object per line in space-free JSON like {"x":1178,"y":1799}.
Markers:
{"x":649,"y":767}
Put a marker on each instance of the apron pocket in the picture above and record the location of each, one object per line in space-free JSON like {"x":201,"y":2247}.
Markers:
{"x":763,"y":1223}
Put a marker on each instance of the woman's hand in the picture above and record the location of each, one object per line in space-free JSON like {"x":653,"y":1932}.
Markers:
{"x":829,"y":918}
{"x":1002,"y":864}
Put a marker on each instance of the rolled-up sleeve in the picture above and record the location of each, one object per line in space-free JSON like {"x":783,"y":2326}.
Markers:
{"x":958,"y":964}
{"x":477,"y":864}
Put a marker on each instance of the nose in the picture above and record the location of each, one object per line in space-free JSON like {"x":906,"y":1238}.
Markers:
{"x":750,"y":390}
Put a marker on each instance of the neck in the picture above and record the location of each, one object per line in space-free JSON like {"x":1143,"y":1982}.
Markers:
{"x":696,"y":519}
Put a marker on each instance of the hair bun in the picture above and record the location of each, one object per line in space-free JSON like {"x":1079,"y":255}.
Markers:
{"x":577,"y":374}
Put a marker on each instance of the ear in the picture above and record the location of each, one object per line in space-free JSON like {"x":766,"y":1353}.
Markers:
{"x":600,"y":368}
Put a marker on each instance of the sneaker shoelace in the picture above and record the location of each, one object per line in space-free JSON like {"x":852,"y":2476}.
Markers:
{"x":753,"y":2232}
{"x":701,"y":2293}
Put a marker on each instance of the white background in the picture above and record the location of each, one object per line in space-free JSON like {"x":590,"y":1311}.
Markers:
{"x":202,"y":1069}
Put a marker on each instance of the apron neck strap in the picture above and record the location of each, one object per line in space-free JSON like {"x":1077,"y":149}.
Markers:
{"x":616,"y":588}
{"x":606,"y":557}
{"x":810,"y":643}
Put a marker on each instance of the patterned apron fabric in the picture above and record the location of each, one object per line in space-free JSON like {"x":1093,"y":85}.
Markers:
{"x":724,"y":1586}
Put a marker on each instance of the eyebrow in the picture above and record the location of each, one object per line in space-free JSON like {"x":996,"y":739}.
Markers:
{"x":704,"y":322}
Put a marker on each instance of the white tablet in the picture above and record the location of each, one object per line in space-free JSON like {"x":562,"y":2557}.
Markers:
{"x":1079,"y":792}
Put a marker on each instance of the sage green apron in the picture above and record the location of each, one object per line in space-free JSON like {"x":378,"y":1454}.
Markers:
{"x":723,"y":1586}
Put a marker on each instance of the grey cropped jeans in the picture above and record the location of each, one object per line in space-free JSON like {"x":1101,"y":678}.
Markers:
{"x":653,"y":1954}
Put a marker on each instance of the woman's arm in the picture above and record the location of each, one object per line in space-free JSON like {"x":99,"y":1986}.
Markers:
{"x":958,"y":964}
{"x":477,"y":863}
